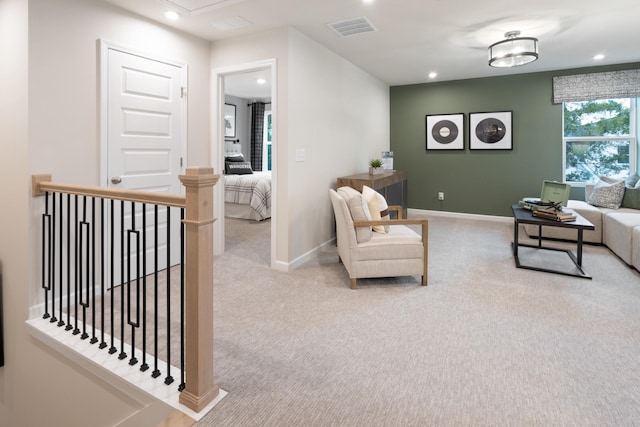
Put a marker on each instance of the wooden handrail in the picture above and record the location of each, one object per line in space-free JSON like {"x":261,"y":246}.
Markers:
{"x":42,"y":183}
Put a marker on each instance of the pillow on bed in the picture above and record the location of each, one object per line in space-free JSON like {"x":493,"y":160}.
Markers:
{"x":235,"y":158}
{"x":238,"y":168}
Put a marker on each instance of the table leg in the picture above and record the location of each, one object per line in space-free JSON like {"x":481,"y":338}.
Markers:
{"x":539,"y":236}
{"x":515,"y":238}
{"x":580,"y":247}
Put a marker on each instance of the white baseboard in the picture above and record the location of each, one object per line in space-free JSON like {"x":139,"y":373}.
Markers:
{"x":494,"y":218}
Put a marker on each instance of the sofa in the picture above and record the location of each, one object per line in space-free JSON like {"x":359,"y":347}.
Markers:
{"x":613,"y":207}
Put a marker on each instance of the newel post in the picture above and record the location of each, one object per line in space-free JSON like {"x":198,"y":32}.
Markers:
{"x":200,"y":388}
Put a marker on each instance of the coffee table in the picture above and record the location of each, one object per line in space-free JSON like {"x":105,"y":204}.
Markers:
{"x":524,"y":216}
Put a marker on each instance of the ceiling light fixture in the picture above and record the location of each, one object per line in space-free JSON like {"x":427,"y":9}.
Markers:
{"x":513,"y":51}
{"x":261,"y":81}
{"x":171,"y":15}
{"x":598,"y":57}
{"x":433,"y":75}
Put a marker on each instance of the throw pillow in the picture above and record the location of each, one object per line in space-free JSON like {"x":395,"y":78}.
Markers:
{"x":235,"y":158}
{"x":238,"y":168}
{"x":607,"y":195}
{"x":632,"y":180}
{"x":377,"y":207}
{"x":631,"y":197}
{"x":359,"y":211}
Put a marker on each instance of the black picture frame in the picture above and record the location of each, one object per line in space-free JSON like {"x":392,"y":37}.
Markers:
{"x":444,"y":131}
{"x":491,"y":130}
{"x":229,"y":121}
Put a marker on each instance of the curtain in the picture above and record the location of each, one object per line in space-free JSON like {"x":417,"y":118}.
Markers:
{"x":594,"y":86}
{"x":257,"y":126}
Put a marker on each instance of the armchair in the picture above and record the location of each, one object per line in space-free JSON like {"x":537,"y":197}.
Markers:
{"x":366,"y":254}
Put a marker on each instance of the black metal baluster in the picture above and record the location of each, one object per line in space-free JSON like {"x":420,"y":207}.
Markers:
{"x":144,"y":366}
{"x":112,"y":349}
{"x":103,"y":344}
{"x":46,"y":250}
{"x":69,"y":326}
{"x":83,"y":256}
{"x":92,"y":304}
{"x":122,"y":354}
{"x":52,"y":259}
{"x":168,"y":379}
{"x":60,"y":259}
{"x":156,"y":371}
{"x":76,"y":257}
{"x":182,"y":290}
{"x":135,"y":233}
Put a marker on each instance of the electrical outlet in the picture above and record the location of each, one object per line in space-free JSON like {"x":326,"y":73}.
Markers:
{"x":440,"y":195}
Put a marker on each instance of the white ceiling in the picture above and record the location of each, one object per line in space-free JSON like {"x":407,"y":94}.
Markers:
{"x":415,"y":37}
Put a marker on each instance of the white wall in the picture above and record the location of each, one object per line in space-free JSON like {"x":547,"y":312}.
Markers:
{"x":64,"y":82}
{"x":339,"y":116}
{"x":324,"y":105}
{"x":48,"y":123}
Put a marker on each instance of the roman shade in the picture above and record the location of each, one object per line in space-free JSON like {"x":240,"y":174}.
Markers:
{"x":593,"y":86}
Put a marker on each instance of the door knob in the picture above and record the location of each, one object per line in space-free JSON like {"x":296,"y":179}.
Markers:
{"x":116,"y":180}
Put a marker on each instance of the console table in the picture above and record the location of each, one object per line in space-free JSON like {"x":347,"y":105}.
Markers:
{"x":392,"y":185}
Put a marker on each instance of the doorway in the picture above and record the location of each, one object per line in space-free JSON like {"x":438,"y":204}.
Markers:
{"x":236,"y":81}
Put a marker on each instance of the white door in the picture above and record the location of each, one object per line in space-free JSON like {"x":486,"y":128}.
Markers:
{"x":145,"y":109}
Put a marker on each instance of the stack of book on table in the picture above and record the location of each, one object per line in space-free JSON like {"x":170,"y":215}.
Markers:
{"x":554,"y":214}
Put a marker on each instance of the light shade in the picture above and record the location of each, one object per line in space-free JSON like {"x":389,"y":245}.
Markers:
{"x":513,"y":51}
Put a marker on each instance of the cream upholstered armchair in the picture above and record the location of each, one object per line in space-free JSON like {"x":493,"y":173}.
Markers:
{"x":396,"y":251}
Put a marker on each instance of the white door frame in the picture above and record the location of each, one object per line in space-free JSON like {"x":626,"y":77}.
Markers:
{"x":103,"y":124}
{"x":217,"y":148}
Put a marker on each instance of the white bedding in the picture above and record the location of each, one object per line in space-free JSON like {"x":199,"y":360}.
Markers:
{"x":253,"y":190}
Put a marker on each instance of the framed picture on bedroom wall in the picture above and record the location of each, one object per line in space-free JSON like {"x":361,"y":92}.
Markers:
{"x":490,"y":131}
{"x":229,"y":121}
{"x":445,"y":131}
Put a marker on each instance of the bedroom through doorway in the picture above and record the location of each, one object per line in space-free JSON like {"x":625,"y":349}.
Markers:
{"x":249,"y":164}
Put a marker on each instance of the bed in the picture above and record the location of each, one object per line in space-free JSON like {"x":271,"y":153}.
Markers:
{"x":247,"y":193}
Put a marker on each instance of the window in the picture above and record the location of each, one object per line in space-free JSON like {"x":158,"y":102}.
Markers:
{"x":266,"y":142}
{"x":599,"y":139}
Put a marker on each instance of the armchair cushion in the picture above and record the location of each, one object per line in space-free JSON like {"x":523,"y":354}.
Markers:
{"x":359,"y":210}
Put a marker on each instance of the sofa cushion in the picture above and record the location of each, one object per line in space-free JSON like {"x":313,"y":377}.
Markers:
{"x":631,"y":197}
{"x":359,"y":211}
{"x":378,"y":207}
{"x":618,"y":231}
{"x":607,"y":195}
{"x":635,"y":251}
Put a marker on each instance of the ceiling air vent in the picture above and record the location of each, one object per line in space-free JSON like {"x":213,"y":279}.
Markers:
{"x":352,"y":26}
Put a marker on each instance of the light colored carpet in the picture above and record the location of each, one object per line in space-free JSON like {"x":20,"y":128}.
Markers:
{"x":484,"y":344}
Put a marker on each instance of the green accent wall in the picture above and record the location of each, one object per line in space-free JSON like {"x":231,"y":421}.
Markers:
{"x":485,"y":182}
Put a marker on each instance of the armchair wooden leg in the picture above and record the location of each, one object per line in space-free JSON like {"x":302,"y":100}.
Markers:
{"x":424,"y":280}
{"x":353,"y":283}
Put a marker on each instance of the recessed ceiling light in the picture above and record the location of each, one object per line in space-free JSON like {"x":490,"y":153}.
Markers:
{"x":598,"y":57}
{"x":261,"y":81}
{"x":433,"y":75}
{"x":171,"y":15}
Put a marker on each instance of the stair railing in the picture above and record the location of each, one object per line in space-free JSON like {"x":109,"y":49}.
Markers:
{"x":80,"y":278}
